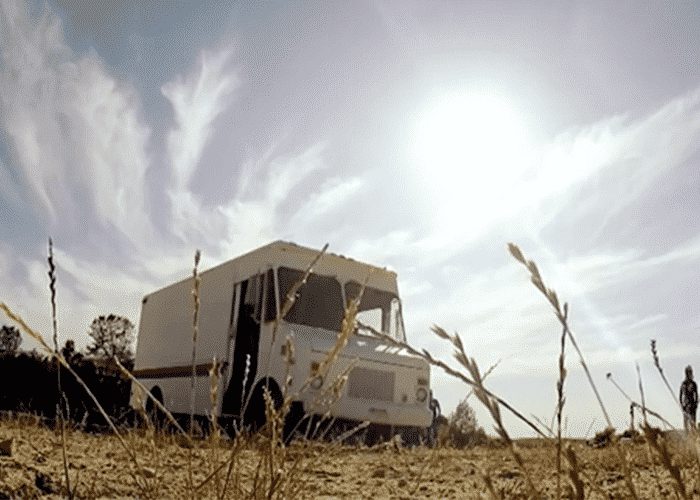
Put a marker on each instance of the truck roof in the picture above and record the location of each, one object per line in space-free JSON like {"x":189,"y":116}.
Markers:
{"x":289,"y":254}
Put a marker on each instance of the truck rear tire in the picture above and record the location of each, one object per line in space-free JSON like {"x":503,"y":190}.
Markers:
{"x":154,"y":413}
{"x":254,"y":416}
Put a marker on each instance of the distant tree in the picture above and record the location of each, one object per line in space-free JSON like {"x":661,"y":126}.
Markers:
{"x":464,"y":430}
{"x":10,"y":340}
{"x":112,"y":336}
{"x":70,"y":353}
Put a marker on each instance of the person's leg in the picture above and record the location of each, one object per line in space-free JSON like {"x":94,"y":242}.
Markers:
{"x":688,"y":420}
{"x":692,"y":418}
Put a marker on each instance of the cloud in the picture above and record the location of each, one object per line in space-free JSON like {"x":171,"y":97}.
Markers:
{"x":257,"y":215}
{"x":78,"y":153}
{"x":261,"y":206}
{"x":73,"y":132}
{"x":9,"y":187}
{"x":325,"y":209}
{"x":197,"y":100}
{"x":630,"y":153}
{"x":587,"y":175}
{"x":501,"y":309}
{"x":604,"y":270}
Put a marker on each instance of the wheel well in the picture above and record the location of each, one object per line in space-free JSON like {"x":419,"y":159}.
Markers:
{"x":255,"y":409}
{"x":157,"y":394}
{"x":272,"y":386}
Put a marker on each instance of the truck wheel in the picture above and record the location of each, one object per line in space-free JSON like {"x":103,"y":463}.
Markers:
{"x":254,"y":416}
{"x":411,"y":436}
{"x":293,"y":421}
{"x":152,"y":411}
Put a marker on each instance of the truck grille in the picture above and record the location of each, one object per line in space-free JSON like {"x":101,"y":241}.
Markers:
{"x":365,"y":383}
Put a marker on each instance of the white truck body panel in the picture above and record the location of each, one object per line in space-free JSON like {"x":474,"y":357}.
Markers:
{"x":382,"y":386}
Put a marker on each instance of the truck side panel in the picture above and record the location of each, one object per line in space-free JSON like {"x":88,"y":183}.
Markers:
{"x":165,"y":332}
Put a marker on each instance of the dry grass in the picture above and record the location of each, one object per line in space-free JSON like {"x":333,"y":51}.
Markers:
{"x":322,"y":469}
{"x":59,"y":406}
{"x":263,"y":465}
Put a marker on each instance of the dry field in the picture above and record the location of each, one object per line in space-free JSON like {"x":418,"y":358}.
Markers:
{"x":36,"y":461}
{"x":101,"y":468}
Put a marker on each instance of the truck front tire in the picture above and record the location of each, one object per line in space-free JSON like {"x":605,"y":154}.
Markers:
{"x":254,"y":416}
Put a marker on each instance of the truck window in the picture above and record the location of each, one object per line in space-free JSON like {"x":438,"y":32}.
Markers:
{"x":378,"y":309}
{"x":261,"y":285}
{"x":319,"y":303}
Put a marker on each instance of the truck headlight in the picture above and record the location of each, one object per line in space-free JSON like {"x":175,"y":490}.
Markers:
{"x":421,"y":394}
{"x":317,"y":382}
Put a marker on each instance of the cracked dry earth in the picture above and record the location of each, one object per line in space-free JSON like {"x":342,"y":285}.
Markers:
{"x":100,"y":467}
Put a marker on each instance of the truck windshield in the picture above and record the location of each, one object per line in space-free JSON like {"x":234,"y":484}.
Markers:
{"x":319,"y":303}
{"x":378,"y":309}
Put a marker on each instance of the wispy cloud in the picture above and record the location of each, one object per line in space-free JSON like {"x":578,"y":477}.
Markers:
{"x":630,"y":153}
{"x":77,"y":156}
{"x":257,"y":215}
{"x":197,"y":100}
{"x":261,"y":205}
{"x":587,"y":174}
{"x":75,"y":136}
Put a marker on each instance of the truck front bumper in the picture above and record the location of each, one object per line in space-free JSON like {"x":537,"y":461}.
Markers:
{"x":376,"y":412}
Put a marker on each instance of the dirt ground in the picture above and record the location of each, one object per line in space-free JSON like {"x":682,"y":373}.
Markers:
{"x":100,"y":467}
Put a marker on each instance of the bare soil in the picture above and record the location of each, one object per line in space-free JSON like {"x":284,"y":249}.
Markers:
{"x":101,"y":468}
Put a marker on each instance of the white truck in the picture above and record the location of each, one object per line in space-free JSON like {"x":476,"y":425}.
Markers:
{"x":241,"y":302}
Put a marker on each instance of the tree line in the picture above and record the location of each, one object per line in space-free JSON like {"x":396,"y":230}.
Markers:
{"x":28,"y":378}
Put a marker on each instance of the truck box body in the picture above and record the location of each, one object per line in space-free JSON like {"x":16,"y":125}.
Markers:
{"x":241,"y":326}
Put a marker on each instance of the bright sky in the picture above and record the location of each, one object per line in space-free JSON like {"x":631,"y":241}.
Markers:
{"x":422,"y":136}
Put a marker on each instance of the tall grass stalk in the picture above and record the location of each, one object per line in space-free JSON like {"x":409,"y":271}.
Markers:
{"x":658,"y":443}
{"x":642,"y":407}
{"x":485,"y":376}
{"x":475,"y":381}
{"x":657,"y":364}
{"x":561,"y":399}
{"x":450,"y":371}
{"x":59,"y":393}
{"x":214,"y":434}
{"x":553,"y":299}
{"x":193,"y":380}
{"x":486,"y":478}
{"x":196,"y":280}
{"x":574,"y":471}
{"x":279,"y":474}
{"x":275,"y":473}
{"x":646,"y":424}
{"x":489,"y":402}
{"x":290,"y":299}
{"x":562,"y":315}
{"x":291,"y":296}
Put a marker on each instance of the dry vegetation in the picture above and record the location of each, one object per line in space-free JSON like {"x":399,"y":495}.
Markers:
{"x":62,"y":461}
{"x":99,"y":468}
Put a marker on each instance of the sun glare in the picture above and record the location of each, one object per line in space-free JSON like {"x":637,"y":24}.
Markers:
{"x":470,"y":147}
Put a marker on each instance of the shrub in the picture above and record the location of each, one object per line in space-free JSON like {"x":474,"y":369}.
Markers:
{"x":463,"y":429}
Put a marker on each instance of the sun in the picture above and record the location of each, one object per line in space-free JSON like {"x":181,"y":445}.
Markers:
{"x":470,"y":135}
{"x":470,"y":149}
